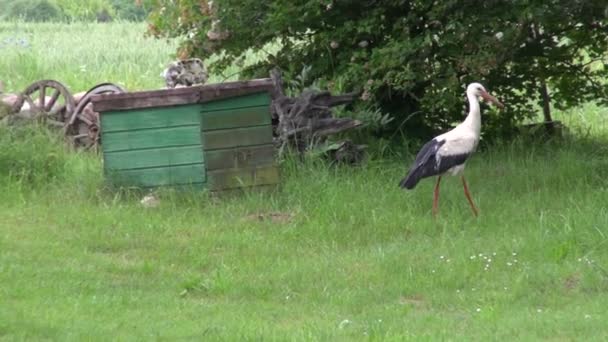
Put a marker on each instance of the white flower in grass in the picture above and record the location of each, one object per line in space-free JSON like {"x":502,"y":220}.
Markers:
{"x":478,"y":309}
{"x":509,"y":264}
{"x":344,"y":323}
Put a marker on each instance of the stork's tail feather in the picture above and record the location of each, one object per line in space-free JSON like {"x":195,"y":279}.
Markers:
{"x":410,"y":181}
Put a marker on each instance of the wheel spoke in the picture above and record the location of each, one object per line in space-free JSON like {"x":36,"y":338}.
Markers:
{"x":41,"y":96}
{"x":84,"y":119}
{"x":52,"y":100}
{"x":80,"y":136}
{"x":31,"y":103}
{"x":53,"y":113}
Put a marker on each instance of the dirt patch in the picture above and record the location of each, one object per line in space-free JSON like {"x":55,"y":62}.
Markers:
{"x":415,"y":300}
{"x":274,"y":217}
{"x":572,"y":281}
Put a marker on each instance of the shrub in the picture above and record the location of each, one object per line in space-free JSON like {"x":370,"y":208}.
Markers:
{"x":86,"y":10}
{"x":129,"y":10}
{"x":30,"y":10}
{"x":411,"y":58}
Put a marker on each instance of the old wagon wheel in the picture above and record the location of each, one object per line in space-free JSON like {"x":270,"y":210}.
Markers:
{"x":47,"y":99}
{"x":83,"y":127}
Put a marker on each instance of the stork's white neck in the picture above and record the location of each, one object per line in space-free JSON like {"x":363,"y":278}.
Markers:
{"x":473,"y":120}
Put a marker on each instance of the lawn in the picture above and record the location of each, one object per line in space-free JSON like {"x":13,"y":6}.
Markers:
{"x":347,"y":255}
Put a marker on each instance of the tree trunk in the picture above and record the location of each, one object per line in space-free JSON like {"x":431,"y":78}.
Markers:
{"x":544,"y":92}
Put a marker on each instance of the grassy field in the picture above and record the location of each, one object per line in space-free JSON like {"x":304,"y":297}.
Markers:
{"x":81,"y":55}
{"x":348,"y":256}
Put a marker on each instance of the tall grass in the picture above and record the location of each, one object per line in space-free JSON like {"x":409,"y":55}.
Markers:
{"x":334,"y":254}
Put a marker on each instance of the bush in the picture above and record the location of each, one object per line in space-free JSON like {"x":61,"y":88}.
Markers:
{"x":129,"y":10}
{"x":412,"y":58}
{"x":86,"y":10}
{"x":30,"y":10}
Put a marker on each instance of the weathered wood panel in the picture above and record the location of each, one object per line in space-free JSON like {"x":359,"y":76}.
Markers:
{"x":252,"y":100}
{"x":242,"y":157}
{"x":235,"y":178}
{"x":151,"y":138}
{"x":180,"y":96}
{"x":233,"y":118}
{"x":258,"y":135}
{"x":162,"y":176}
{"x":151,"y":118}
{"x":170,"y":156}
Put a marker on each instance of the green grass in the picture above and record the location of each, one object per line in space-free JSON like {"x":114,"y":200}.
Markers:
{"x":359,"y":260}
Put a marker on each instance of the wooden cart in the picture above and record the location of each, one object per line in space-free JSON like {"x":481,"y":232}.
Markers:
{"x":216,"y":136}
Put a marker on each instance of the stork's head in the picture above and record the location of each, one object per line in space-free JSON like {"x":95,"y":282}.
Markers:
{"x":477,"y":90}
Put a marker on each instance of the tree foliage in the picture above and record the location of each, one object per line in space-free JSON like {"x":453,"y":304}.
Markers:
{"x":411,"y":58}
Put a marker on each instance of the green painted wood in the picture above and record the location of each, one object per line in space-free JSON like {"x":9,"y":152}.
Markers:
{"x":151,"y":138}
{"x":150,"y":118}
{"x":241,"y":157}
{"x":180,"y":187}
{"x":174,"y":175}
{"x":253,"y":100}
{"x":169,"y":156}
{"x":233,"y":118}
{"x":237,"y":137}
{"x":235,"y":178}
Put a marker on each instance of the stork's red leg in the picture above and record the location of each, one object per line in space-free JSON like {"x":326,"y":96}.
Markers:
{"x":436,"y":197}
{"x":466,"y":193}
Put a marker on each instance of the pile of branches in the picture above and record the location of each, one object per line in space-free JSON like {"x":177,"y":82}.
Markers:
{"x":304,"y":123}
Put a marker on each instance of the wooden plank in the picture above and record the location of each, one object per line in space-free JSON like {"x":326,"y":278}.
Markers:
{"x":170,"y":156}
{"x":181,"y":187}
{"x":244,"y":101}
{"x":235,"y":178}
{"x":238,"y":137}
{"x":152,"y":177}
{"x":151,"y":138}
{"x":179,"y":96}
{"x":242,"y":157}
{"x":150,"y":118}
{"x":232,"y":118}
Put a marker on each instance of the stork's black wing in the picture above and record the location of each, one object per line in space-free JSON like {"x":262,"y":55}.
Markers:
{"x":424,"y":165}
{"x":428,"y":164}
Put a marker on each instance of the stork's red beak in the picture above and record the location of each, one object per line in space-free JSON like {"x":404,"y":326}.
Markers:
{"x":486,"y":96}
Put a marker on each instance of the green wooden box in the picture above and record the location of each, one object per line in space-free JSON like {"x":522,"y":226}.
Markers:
{"x":217,"y":136}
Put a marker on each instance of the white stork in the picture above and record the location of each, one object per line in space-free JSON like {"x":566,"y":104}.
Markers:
{"x":448,"y":152}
